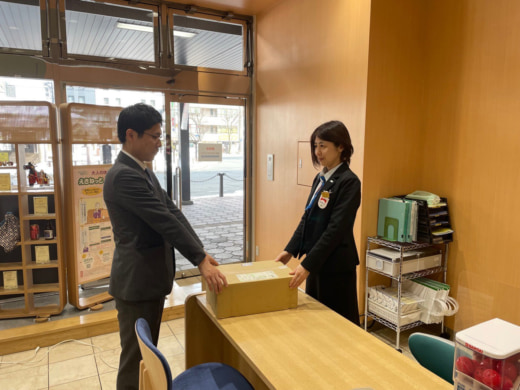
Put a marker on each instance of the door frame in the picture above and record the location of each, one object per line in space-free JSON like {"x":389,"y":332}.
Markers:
{"x":229,"y":100}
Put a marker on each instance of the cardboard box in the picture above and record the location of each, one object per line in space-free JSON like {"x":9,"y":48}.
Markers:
{"x":256,"y":287}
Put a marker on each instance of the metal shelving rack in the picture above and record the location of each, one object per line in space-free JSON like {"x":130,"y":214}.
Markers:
{"x":402,"y":247}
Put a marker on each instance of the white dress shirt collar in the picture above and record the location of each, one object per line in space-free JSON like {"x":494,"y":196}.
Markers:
{"x":141,"y":164}
{"x":330,"y":172}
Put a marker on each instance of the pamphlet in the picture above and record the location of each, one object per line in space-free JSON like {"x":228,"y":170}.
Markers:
{"x":10,"y":280}
{"x":5,"y":182}
{"x":40,"y":205}
{"x":41,"y":253}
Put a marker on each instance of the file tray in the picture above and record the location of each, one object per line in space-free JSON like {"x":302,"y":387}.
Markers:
{"x":387,"y":260}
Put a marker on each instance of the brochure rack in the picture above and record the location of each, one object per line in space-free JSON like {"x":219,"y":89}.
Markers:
{"x":32,"y":273}
{"x":90,"y":146}
{"x":398,"y":321}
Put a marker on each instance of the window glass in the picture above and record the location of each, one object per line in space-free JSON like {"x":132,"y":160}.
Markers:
{"x":110,"y":31}
{"x":20,"y":25}
{"x":17,"y":88}
{"x":207,"y":43}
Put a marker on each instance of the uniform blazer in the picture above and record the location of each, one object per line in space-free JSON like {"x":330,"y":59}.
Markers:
{"x":146,"y":225}
{"x":325,"y":235}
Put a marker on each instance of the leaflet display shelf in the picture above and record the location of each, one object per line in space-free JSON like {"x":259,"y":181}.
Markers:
{"x":32,"y":271}
{"x":397,"y":321}
{"x":90,"y":147}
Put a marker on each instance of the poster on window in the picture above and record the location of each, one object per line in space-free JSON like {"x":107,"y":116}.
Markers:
{"x":94,"y":239}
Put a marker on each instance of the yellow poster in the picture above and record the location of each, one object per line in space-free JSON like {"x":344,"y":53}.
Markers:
{"x":94,"y":239}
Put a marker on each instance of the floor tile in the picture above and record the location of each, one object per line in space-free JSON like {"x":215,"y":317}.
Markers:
{"x":72,"y":370}
{"x":26,"y":379}
{"x":108,"y":380}
{"x":106,"y":342}
{"x":165,"y":331}
{"x":108,"y":361}
{"x":181,"y":338}
{"x":170,"y":346}
{"x":176,"y":326}
{"x":177,"y":364}
{"x":25,"y":360}
{"x":69,"y":350}
{"x":92,"y":383}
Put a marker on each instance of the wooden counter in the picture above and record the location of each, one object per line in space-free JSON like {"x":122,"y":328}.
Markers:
{"x":310,"y":347}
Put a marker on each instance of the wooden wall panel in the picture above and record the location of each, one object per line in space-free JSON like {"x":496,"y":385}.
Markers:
{"x":394,"y":139}
{"x":473,"y":114}
{"x":311,"y":68}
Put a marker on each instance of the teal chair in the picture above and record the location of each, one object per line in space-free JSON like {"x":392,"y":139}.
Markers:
{"x":434,"y":353}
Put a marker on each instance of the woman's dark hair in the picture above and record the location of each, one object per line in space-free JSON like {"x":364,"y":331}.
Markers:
{"x":139,"y":117}
{"x":337,"y":133}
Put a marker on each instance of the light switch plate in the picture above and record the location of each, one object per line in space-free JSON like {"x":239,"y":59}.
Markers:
{"x":270,"y":167}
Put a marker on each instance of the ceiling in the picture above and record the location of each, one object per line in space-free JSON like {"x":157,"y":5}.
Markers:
{"x":243,"y":7}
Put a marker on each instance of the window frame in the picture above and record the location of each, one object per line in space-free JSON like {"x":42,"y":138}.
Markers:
{"x":244,"y":22}
{"x":45,"y":38}
{"x":155,"y":9}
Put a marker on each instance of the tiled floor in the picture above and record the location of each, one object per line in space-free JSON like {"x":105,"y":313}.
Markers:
{"x":91,"y":363}
{"x":87,"y":364}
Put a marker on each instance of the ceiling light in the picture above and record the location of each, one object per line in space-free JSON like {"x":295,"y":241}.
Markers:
{"x":137,"y":27}
{"x":183,"y":34}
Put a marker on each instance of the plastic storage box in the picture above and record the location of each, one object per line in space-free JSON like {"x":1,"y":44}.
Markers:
{"x":387,"y":260}
{"x":487,"y":356}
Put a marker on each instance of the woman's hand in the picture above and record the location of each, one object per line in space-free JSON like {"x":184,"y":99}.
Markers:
{"x":283,"y":257}
{"x":300,"y":274}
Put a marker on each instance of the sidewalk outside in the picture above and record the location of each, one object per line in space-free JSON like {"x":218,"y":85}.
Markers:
{"x":219,"y":223}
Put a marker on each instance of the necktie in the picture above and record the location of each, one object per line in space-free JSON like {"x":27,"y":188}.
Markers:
{"x":316,"y":193}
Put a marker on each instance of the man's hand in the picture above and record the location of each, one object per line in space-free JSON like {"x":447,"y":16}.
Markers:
{"x":215,"y":279}
{"x":283,"y":257}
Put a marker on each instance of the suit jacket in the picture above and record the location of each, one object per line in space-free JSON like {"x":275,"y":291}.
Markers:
{"x":325,"y":235}
{"x":146,"y":225}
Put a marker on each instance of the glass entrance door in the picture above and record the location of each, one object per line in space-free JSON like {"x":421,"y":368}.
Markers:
{"x":208,"y":149}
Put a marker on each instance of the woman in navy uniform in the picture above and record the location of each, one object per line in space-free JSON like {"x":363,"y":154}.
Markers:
{"x":325,"y":233}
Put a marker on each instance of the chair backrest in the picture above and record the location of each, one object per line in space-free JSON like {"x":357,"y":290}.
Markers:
{"x":434,"y":353}
{"x":154,"y":373}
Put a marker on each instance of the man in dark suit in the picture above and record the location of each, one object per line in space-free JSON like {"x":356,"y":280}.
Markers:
{"x":147,"y":227}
